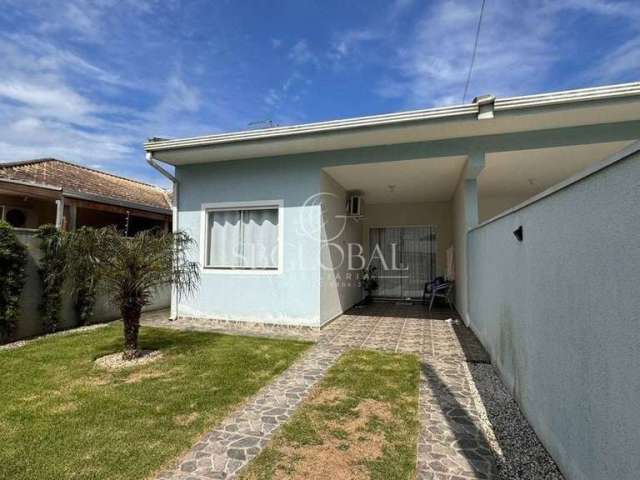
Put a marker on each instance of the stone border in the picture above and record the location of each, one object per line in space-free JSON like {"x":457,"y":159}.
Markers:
{"x":233,"y":327}
{"x":240,"y":325}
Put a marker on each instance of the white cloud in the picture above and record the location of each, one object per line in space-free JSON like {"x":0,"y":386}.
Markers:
{"x":174,"y":112}
{"x":85,"y":85}
{"x":71,"y":85}
{"x":52,"y":101}
{"x":51,"y":104}
{"x":301,"y":54}
{"x":272,"y":98}
{"x":39,"y":56}
{"x":179,"y":97}
{"x":435,"y":67}
{"x":25,"y":137}
{"x":347,"y":42}
{"x":622,"y":62}
{"x":516,"y":54}
{"x":288,"y":92}
{"x":612,"y":8}
{"x":87,"y":19}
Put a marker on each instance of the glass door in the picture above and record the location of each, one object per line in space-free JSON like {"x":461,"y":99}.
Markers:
{"x":405,"y":258}
{"x":385,"y":244}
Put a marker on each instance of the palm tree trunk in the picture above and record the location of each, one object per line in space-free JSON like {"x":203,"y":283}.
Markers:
{"x":131,"y":319}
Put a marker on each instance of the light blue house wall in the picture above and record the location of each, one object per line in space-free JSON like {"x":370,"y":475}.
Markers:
{"x":289,"y":297}
{"x":301,"y":294}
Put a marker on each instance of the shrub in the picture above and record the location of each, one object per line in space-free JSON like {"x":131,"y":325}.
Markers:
{"x":13,"y":259}
{"x":85,"y":276}
{"x":51,"y":271}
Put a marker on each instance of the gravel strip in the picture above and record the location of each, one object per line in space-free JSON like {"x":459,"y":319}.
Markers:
{"x":519,"y":453}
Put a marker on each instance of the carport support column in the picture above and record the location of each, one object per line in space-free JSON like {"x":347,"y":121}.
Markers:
{"x":465,"y":208}
{"x":472,"y":169}
{"x":59,"y":213}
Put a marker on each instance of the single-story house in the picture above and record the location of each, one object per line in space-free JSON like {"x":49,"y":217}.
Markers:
{"x":52,"y":191}
{"x":286,"y":219}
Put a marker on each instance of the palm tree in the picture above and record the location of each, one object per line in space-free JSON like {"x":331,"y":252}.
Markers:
{"x":130,"y":269}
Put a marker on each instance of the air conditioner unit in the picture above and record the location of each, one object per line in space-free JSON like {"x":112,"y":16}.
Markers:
{"x":354,"y":206}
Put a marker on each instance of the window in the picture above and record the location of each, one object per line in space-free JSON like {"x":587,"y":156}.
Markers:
{"x":242,"y":238}
{"x":16,"y":217}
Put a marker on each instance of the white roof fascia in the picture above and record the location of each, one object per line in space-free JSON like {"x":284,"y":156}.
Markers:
{"x":510,"y":103}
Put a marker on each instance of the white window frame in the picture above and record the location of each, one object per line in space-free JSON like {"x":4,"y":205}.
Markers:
{"x":253,"y":205}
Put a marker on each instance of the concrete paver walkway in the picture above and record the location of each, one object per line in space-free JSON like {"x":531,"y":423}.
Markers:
{"x":454,"y":442}
{"x":452,"y":445}
{"x":242,"y":435}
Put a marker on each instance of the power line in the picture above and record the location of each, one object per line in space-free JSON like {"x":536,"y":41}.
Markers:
{"x":473,"y":56}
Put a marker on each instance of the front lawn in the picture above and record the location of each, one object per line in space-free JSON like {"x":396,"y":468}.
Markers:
{"x":61,"y":417}
{"x":361,"y":422}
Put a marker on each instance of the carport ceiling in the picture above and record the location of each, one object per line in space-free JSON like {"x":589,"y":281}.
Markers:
{"x":528,"y":172}
{"x":420,"y":180}
{"x":518,"y":174}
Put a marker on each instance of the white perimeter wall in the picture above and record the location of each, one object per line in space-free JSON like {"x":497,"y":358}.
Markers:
{"x":560,"y":315}
{"x":29,"y":323}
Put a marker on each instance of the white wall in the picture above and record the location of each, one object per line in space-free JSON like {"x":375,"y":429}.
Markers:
{"x":411,"y":214}
{"x":339,"y":286}
{"x":559,"y":315}
{"x":29,"y":323}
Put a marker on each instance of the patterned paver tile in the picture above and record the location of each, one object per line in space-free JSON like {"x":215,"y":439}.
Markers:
{"x":452,"y":442}
{"x":451,"y":445}
{"x":243,"y":434}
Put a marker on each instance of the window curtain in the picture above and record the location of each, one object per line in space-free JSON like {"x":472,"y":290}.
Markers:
{"x":385,"y":253}
{"x":243,"y":238}
{"x":260,"y":238}
{"x":224,"y":239}
{"x":419,"y":258}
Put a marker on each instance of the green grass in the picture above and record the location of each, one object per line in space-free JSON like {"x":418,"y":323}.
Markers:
{"x":63,"y":418}
{"x":360,"y":422}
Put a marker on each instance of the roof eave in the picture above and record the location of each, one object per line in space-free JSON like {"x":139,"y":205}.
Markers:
{"x":90,"y":197}
{"x":312,"y":128}
{"x":31,"y":184}
{"x":568,"y":98}
{"x":116,"y":201}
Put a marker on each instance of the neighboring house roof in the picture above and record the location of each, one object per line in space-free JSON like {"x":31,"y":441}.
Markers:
{"x":548,"y":110}
{"x":83,"y":181}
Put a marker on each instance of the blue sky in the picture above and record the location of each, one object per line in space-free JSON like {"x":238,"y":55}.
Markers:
{"x":89,"y":81}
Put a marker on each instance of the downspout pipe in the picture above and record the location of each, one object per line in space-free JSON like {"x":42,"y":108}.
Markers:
{"x":174,"y":220}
